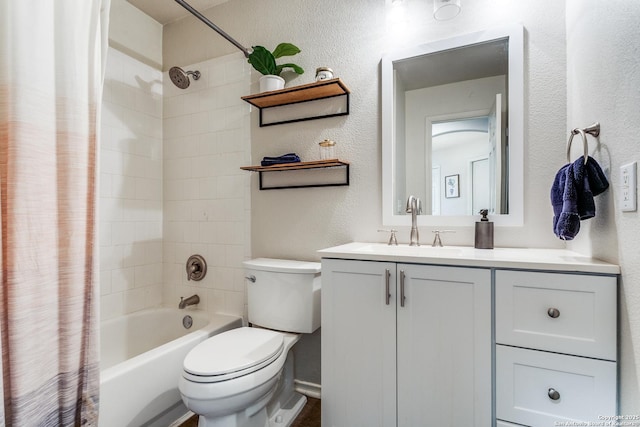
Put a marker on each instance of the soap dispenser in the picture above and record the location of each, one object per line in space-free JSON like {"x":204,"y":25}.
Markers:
{"x":484,"y":231}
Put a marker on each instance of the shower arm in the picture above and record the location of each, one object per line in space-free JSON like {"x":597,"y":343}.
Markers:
{"x":213,"y":26}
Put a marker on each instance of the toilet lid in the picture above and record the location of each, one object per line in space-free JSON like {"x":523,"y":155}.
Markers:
{"x":232,"y":354}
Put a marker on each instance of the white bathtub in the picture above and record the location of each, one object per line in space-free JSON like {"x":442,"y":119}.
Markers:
{"x":141,"y":361}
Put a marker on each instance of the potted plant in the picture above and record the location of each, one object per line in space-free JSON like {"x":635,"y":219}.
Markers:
{"x":265,"y":63}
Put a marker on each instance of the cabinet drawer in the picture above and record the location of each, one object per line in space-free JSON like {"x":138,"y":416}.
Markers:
{"x":565,"y":313}
{"x":586,"y":387}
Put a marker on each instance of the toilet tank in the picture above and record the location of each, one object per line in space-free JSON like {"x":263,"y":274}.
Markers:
{"x":285,"y":294}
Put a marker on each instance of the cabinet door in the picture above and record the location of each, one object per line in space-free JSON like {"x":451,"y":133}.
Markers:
{"x":358,"y":344}
{"x":444,"y":346}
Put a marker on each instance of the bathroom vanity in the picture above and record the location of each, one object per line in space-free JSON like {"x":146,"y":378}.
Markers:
{"x":457,"y":336}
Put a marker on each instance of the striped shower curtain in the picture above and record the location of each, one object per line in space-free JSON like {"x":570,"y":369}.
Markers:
{"x":51,"y":62}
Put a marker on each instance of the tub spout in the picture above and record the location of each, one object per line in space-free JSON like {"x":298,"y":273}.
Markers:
{"x":185,"y":302}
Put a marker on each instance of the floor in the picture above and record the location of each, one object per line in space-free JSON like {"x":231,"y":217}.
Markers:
{"x":309,"y":416}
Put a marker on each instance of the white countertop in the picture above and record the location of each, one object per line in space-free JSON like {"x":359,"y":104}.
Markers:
{"x":522,"y":258}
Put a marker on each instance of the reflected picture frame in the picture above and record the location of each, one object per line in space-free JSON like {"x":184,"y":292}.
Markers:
{"x":452,"y":186}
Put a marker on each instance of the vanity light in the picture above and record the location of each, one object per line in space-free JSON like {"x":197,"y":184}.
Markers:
{"x":444,"y":10}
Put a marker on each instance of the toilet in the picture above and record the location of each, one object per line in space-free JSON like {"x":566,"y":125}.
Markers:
{"x":244,"y":377}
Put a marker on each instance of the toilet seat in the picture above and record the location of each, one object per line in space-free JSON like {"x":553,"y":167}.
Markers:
{"x":232,"y":354}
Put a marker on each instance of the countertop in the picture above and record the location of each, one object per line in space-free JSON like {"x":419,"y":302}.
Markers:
{"x":521,"y":258}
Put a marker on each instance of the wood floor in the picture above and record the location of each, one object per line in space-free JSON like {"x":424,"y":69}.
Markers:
{"x":309,"y":416}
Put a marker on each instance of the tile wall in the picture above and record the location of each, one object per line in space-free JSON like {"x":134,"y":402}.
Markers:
{"x":130,"y":203}
{"x":206,"y":195}
{"x":170,"y":185}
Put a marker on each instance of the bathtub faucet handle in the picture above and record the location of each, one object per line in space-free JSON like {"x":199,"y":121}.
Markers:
{"x":196,"y":267}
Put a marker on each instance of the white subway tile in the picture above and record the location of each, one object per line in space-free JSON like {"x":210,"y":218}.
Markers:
{"x":123,"y":187}
{"x":104,"y":233}
{"x":230,"y":187}
{"x":234,"y":255}
{"x":111,"y":257}
{"x":207,"y":232}
{"x":122,"y":279}
{"x":234,"y":303}
{"x":111,"y":306}
{"x":216,"y":75}
{"x":105,"y":282}
{"x":231,"y":233}
{"x":123,"y":232}
{"x":134,"y":300}
{"x":199,"y":123}
{"x":208,"y":188}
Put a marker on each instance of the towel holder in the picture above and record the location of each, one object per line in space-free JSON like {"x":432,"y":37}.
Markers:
{"x":593,"y":130}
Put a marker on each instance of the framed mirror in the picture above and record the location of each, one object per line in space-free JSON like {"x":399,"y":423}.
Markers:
{"x":452,"y":129}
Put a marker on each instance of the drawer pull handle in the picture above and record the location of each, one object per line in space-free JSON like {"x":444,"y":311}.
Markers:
{"x":402,"y":296}
{"x":553,"y":313}
{"x":553,"y":394}
{"x":387,"y":294}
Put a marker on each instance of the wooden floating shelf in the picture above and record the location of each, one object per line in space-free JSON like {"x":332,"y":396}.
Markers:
{"x":325,"y":181}
{"x":326,"y":98}
{"x":307,"y":92}
{"x":296,"y":166}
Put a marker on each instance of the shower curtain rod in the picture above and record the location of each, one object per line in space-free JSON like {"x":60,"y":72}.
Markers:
{"x":213,"y":26}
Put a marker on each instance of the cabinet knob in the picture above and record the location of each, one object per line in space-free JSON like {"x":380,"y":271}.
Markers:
{"x":553,"y":394}
{"x":553,"y":312}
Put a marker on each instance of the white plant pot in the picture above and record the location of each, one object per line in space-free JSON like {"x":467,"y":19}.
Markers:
{"x":270,"y":82}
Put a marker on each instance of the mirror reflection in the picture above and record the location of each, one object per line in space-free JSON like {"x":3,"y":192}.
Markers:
{"x":446,"y":118}
{"x":452,"y":127}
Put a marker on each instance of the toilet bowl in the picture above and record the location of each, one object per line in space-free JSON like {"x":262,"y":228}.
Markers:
{"x":244,"y":377}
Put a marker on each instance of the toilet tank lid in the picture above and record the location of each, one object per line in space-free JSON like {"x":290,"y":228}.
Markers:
{"x":282,"y":265}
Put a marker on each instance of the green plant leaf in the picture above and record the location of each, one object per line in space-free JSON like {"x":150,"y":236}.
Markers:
{"x":263,"y":61}
{"x":298,"y":69}
{"x":285,"y":49}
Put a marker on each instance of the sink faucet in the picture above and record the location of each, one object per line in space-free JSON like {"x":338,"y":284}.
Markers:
{"x":414,"y":207}
{"x":192,"y":300}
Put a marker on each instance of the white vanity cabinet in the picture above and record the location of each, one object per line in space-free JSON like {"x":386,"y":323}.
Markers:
{"x":482,"y":338}
{"x":556,"y":347}
{"x":405,"y":345}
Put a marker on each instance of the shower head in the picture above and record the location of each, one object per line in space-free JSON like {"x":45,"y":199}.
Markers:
{"x":180,"y":78}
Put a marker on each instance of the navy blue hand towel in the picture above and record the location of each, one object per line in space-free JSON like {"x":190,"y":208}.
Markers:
{"x":597,"y":179}
{"x":564,"y":199}
{"x":572,"y":193}
{"x":285,"y":158}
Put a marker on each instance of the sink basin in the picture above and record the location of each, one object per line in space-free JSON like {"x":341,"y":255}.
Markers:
{"x":406,"y":250}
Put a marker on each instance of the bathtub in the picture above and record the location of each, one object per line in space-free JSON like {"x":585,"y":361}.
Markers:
{"x":141,"y":361}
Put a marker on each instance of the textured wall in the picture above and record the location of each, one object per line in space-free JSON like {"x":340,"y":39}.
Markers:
{"x":351,"y":37}
{"x":603,"y":77}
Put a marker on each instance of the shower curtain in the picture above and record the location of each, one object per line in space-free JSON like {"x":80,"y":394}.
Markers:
{"x":51,"y":65}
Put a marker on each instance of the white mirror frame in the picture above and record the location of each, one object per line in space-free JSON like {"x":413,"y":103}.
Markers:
{"x":515,"y":217}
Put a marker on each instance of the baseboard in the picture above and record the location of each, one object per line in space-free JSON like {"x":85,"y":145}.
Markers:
{"x":308,"y":389}
{"x":183,"y":419}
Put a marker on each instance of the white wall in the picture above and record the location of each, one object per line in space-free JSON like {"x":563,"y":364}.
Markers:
{"x":351,"y":37}
{"x":206,"y":195}
{"x":603,"y":81}
{"x":130,"y":204}
{"x":135,"y":33}
{"x":589,"y":44}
